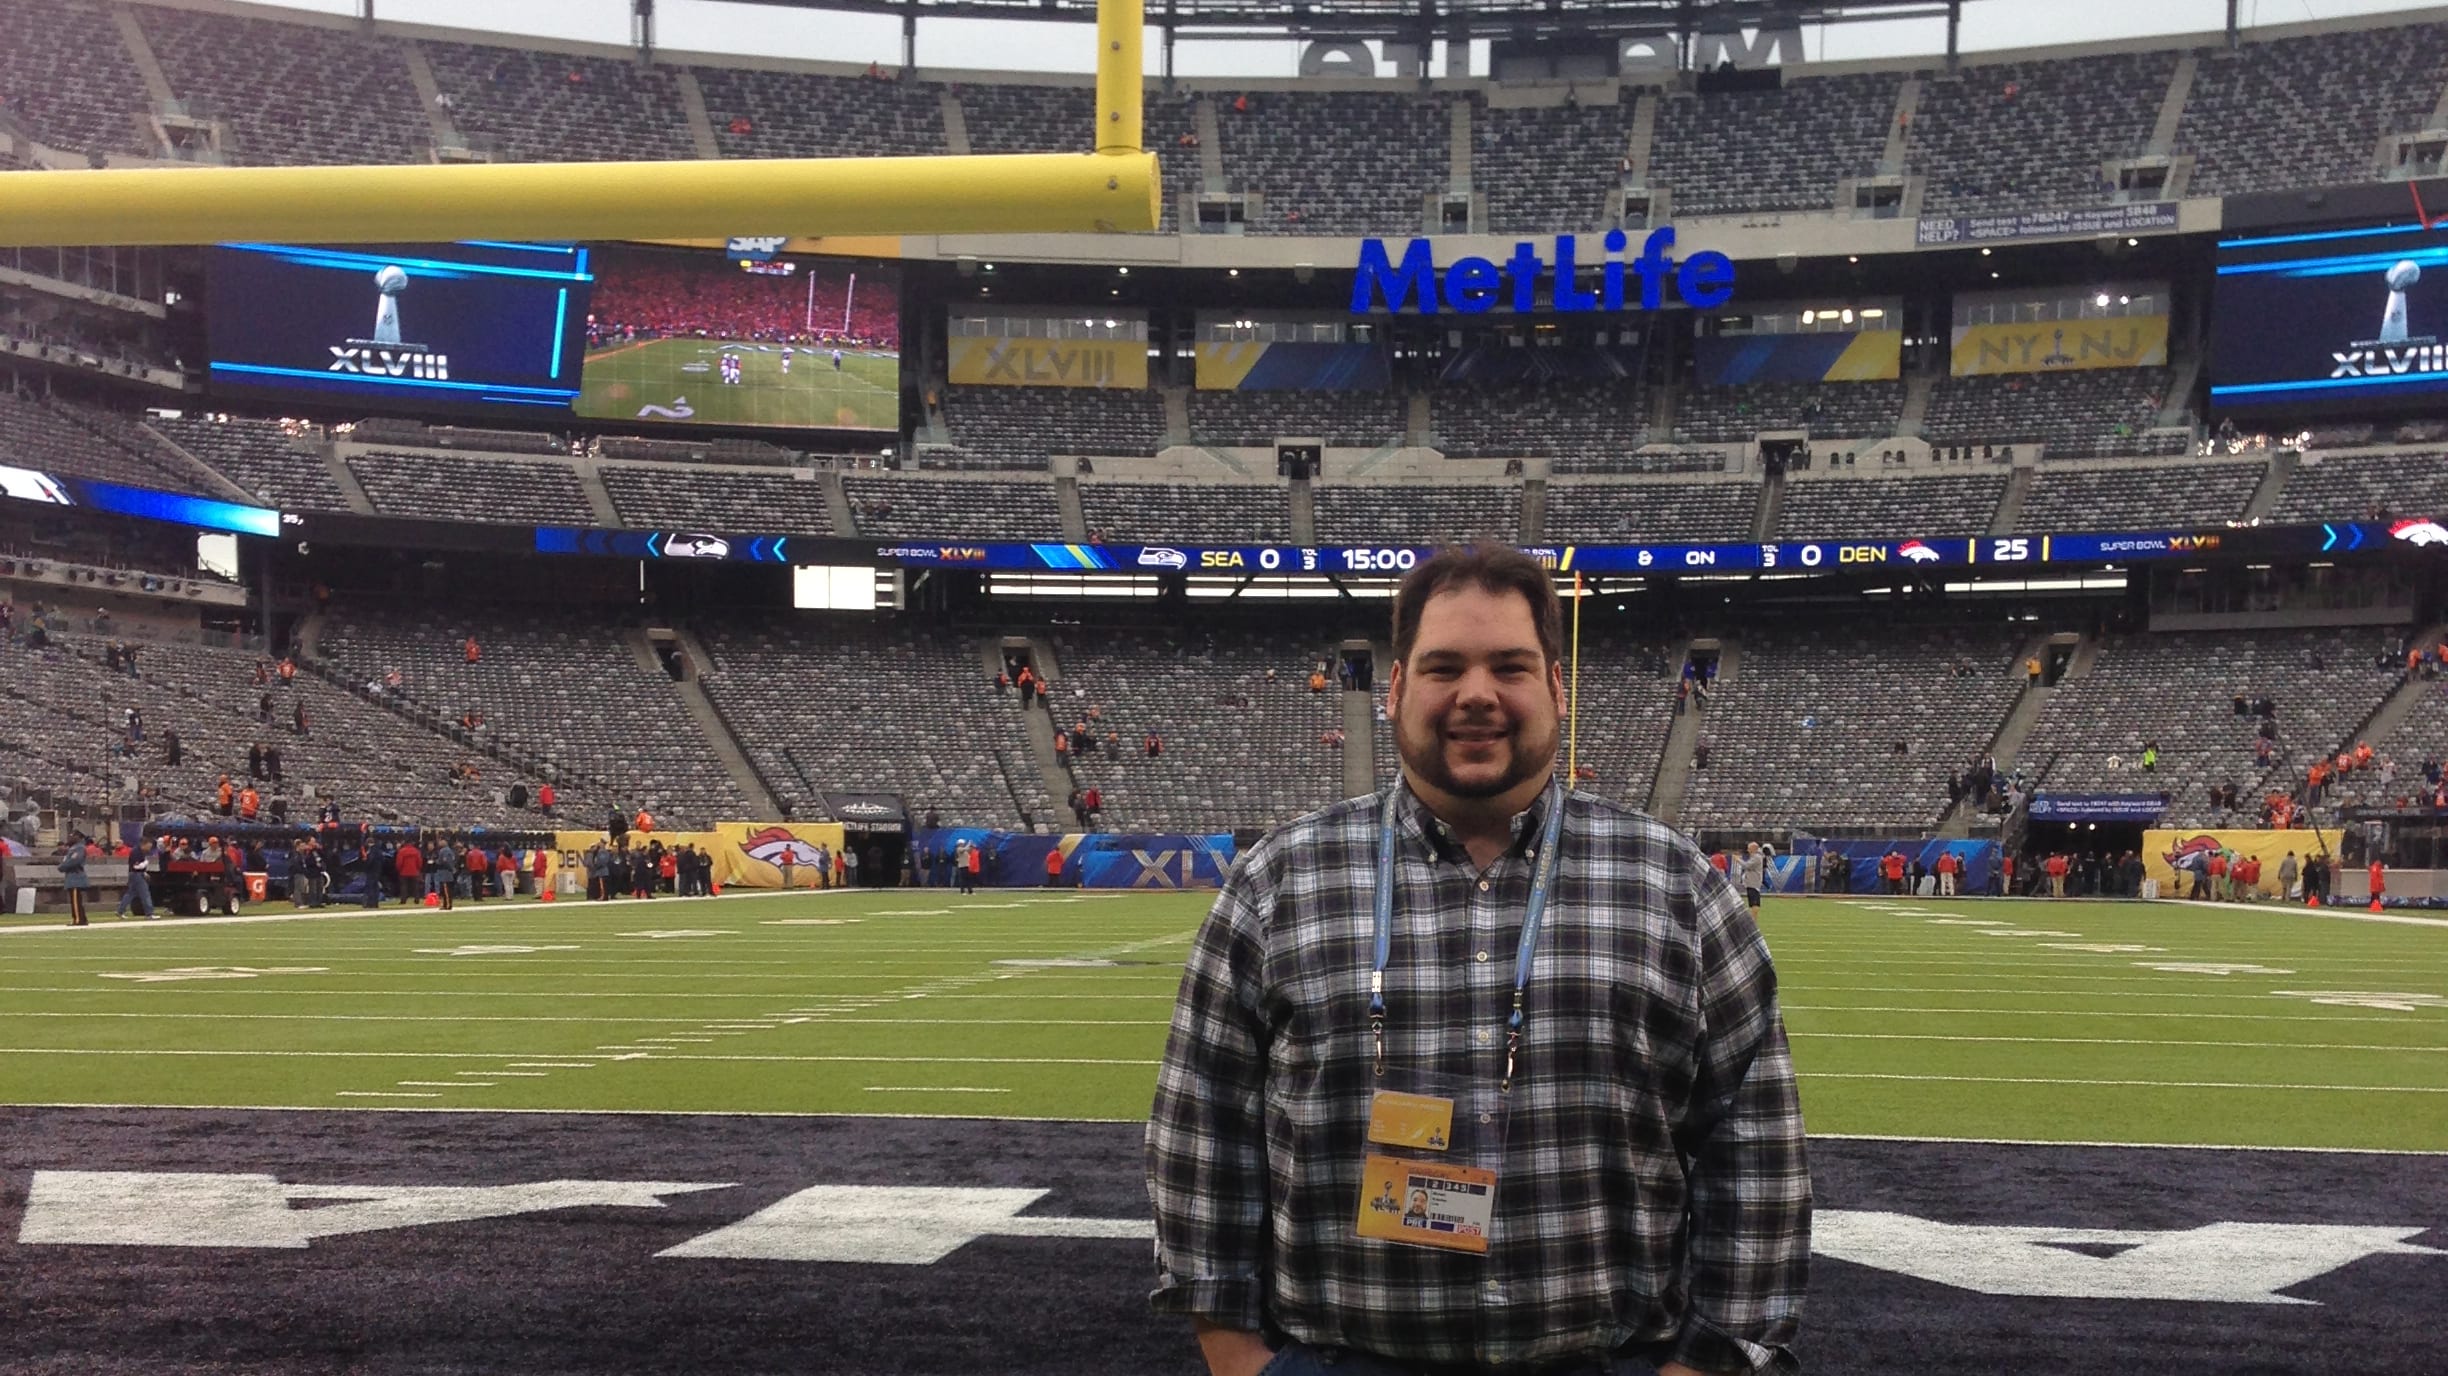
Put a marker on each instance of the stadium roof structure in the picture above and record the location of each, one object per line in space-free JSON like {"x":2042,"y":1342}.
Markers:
{"x":1418,"y":18}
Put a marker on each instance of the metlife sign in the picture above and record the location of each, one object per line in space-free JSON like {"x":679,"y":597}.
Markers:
{"x":1526,"y":282}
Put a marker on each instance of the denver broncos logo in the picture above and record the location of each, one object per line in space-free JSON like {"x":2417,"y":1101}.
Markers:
{"x":774,"y":843}
{"x":2199,"y":846}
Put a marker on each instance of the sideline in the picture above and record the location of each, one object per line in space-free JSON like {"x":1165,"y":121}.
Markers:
{"x":336,"y":911}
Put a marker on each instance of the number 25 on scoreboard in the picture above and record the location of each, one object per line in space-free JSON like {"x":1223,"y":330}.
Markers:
{"x":2012,"y":551}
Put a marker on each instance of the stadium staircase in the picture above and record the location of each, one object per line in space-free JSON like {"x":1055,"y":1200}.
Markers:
{"x":837,"y":502}
{"x":350,"y":489}
{"x":701,"y":124}
{"x":1211,"y":147}
{"x":140,"y":51}
{"x":1458,"y":153}
{"x":2171,"y":113}
{"x":2393,"y":710}
{"x":2019,"y":482}
{"x":1534,"y":509}
{"x":1176,"y":415}
{"x":2176,"y":408}
{"x":2006,"y":746}
{"x":1675,"y":762}
{"x":1303,"y":506}
{"x":1643,"y":138}
{"x":429,"y":99}
{"x":213,"y":479}
{"x":1051,"y":774}
{"x":2282,"y":466}
{"x":1359,"y":743}
{"x":1771,"y":501}
{"x":711,"y":723}
{"x":955,"y":123}
{"x":599,"y":500}
{"x":1918,"y":388}
{"x":1067,"y":502}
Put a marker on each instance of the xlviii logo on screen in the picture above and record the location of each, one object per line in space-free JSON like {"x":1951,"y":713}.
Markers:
{"x":386,"y":354}
{"x":2396,"y":351}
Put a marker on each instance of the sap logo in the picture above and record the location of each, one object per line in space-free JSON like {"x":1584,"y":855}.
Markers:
{"x":425,"y":367}
{"x":2192,"y":542}
{"x":754,"y":247}
{"x":1221,"y":559}
{"x":1159,"y":557}
{"x":960,"y":554}
{"x":1472,"y":286}
{"x":1861,"y":554}
{"x":2419,"y":532}
{"x":1918,"y":552}
{"x":2371,"y":362}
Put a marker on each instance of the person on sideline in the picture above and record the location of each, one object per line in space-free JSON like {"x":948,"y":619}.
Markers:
{"x":1546,"y":1011}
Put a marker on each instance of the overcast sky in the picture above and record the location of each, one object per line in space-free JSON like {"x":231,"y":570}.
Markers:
{"x":714,"y":26}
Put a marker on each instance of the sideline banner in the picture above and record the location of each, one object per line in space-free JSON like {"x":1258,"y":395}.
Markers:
{"x":1093,"y":860}
{"x":751,"y":854}
{"x":2164,"y":853}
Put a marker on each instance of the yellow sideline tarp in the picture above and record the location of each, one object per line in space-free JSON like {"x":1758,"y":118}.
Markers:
{"x":2161,"y":848}
{"x":747,"y":855}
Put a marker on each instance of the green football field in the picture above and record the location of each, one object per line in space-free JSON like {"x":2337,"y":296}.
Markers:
{"x":681,"y":380}
{"x":2088,"y":1022}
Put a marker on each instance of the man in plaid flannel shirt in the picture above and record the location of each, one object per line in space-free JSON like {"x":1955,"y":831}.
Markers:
{"x":1652,"y":1205}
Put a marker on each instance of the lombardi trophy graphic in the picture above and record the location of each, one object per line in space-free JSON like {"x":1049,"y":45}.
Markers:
{"x":2393,"y":320}
{"x":393,"y":280}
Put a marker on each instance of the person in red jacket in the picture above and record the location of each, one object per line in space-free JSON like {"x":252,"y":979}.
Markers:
{"x":2057,"y":876}
{"x":1948,"y":865}
{"x":479,"y":872}
{"x":1891,"y":868}
{"x":2379,"y":881}
{"x":544,"y":799}
{"x":409,"y":863}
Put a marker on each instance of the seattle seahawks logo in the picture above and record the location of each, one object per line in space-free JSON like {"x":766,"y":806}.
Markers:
{"x":774,"y":845}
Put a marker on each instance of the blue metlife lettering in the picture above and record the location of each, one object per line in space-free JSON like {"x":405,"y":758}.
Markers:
{"x":1471,"y":286}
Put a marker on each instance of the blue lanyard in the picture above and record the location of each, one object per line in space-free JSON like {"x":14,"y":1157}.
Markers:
{"x":1542,"y":875}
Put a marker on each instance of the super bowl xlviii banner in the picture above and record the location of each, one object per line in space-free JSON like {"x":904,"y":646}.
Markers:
{"x":1094,"y":860}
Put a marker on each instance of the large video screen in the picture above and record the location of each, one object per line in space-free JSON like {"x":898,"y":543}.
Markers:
{"x":2330,"y":321}
{"x":457,"y":327}
{"x":695,"y":337}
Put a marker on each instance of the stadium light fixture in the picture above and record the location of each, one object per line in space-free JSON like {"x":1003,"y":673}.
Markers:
{"x":1114,"y":188}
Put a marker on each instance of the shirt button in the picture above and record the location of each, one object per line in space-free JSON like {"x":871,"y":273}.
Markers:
{"x":1486,"y":1037}
{"x":1487,"y":1117}
{"x":1482,"y":957}
{"x":1483,"y":886}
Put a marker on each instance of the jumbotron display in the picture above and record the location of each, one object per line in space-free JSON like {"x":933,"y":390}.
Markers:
{"x":784,"y":341}
{"x":438,"y":327}
{"x":2330,"y":321}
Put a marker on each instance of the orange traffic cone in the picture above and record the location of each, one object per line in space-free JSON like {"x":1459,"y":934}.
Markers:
{"x":2375,"y":904}
{"x":2312,"y":900}
{"x":546,"y":896}
{"x":717,"y":887}
{"x":433,"y":900}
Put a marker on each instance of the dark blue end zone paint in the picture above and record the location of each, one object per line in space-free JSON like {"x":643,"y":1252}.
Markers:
{"x":582,"y":1289}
